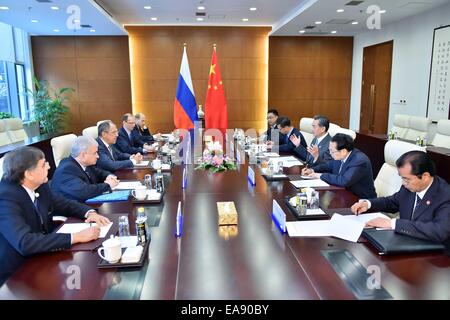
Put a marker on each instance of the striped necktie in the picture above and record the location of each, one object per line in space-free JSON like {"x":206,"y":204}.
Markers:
{"x":418,"y":200}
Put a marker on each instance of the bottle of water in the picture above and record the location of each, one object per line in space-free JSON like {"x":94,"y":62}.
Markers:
{"x":141,"y":226}
{"x":124,"y":227}
{"x":159,"y":181}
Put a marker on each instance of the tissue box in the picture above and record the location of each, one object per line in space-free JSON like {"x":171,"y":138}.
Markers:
{"x":132,"y":254}
{"x":227,"y":213}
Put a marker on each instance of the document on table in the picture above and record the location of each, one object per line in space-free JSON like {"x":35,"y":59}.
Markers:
{"x":289,"y":161}
{"x":365,"y":217}
{"x":141,"y":164}
{"x":127,"y":185}
{"x":338,"y":226}
{"x":270,"y":154}
{"x":313,"y":183}
{"x":77,"y":227}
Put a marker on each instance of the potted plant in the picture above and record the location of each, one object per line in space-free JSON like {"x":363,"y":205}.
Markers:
{"x":49,"y":109}
{"x":5,"y":115}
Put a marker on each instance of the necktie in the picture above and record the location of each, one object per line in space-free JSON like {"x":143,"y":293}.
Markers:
{"x":88,"y":175}
{"x":38,"y":212}
{"x":340,"y":168}
{"x":418,"y":200}
{"x":111,"y":152}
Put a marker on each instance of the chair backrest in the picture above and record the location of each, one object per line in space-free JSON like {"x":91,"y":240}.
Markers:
{"x":91,"y":132}
{"x":401,"y":125}
{"x":98,"y":122}
{"x":4,"y":137}
{"x":62,"y":146}
{"x":388,"y":181}
{"x":348,"y":132}
{"x":14,"y":128}
{"x":442,"y":137}
{"x":418,"y":127}
{"x":334,"y":128}
{"x":305,"y":126}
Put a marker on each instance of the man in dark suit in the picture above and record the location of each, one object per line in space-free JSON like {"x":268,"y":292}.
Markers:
{"x":129,"y":140}
{"x":288,"y":131}
{"x":273,"y":132}
{"x":318,"y":151}
{"x":77,"y":178}
{"x":110,"y":158}
{"x":26,"y":209}
{"x":423,"y":201}
{"x":142,"y":129}
{"x":350,"y":168}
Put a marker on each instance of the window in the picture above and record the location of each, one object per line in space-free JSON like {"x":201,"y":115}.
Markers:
{"x":4,"y":89}
{"x":22,"y":91}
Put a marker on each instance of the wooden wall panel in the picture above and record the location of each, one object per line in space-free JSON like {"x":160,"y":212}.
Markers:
{"x":311,"y":75}
{"x":98,"y":68}
{"x":243,"y":59}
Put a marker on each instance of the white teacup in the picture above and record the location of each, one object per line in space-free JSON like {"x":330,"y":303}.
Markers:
{"x":139,"y":193}
{"x":111,"y":249}
{"x":156,"y":164}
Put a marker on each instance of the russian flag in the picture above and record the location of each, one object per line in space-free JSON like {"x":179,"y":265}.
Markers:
{"x":185,"y":106}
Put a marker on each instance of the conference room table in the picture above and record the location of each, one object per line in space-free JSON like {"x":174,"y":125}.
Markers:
{"x":252,"y":260}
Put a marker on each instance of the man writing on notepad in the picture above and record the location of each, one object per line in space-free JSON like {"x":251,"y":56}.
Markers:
{"x":350,"y":168}
{"x":423,"y":201}
{"x":26,"y":209}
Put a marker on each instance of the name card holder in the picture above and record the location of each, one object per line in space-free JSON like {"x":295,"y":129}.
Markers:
{"x":184,"y":182}
{"x":179,"y":222}
{"x":278,"y":216}
{"x":251,"y":176}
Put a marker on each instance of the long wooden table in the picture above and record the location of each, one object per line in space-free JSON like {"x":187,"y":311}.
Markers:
{"x":252,"y":261}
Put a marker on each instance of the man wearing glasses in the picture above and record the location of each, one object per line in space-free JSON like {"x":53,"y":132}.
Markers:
{"x":77,"y":177}
{"x":273,"y":133}
{"x":423,"y":201}
{"x":26,"y":209}
{"x":129,"y":140}
{"x":350,"y":168}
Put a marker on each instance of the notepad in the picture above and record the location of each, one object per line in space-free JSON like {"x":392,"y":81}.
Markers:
{"x":77,"y":227}
{"x":141,"y":164}
{"x":270,"y":154}
{"x":128,"y":185}
{"x":111,"y":197}
{"x":313,"y":183}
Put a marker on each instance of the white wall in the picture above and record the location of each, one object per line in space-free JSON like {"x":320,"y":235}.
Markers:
{"x":411,"y":60}
{"x":7,"y":43}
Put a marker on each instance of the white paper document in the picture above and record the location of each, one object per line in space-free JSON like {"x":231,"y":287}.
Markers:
{"x":270,"y":154}
{"x":338,"y":226}
{"x":128,"y":185}
{"x":128,"y":242}
{"x":289,"y":162}
{"x":365,"y":217}
{"x":313,"y":183}
{"x":142,"y":164}
{"x":77,"y":227}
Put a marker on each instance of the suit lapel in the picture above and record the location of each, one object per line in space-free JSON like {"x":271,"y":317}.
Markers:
{"x":349,"y":159}
{"x":427,"y":199}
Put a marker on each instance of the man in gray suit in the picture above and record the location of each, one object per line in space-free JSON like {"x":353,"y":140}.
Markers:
{"x":317,"y":152}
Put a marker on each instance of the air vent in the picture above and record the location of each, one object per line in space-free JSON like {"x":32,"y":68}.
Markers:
{"x":85,"y":26}
{"x":310,"y":27}
{"x":339,"y":21}
{"x":44,"y":1}
{"x":200,"y":14}
{"x":216,"y":16}
{"x":317,"y":33}
{"x":354,"y":3}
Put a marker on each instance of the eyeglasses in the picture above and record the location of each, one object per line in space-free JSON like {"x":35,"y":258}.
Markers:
{"x":408,"y":180}
{"x":133,"y":123}
{"x":334,"y":151}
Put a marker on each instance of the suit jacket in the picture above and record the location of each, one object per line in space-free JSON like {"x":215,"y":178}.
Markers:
{"x":107,"y":162}
{"x":21,"y":232}
{"x":287,"y":146}
{"x":356,"y":174}
{"x":129,"y":144}
{"x":72,"y":182}
{"x":144,"y":134}
{"x":271,"y":131}
{"x":431,"y":220}
{"x":324,"y":153}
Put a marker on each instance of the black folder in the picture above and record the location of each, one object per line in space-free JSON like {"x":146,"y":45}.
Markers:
{"x":389,"y":242}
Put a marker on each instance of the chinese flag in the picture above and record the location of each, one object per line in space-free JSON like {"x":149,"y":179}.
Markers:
{"x":216,"y":113}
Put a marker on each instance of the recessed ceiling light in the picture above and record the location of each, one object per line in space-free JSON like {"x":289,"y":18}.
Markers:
{"x":253,"y":9}
{"x":56,"y":30}
{"x":199,"y":19}
{"x":318,"y":22}
{"x":34,"y":21}
{"x":334,"y":31}
{"x":54,"y":8}
{"x":4,"y":8}
{"x":302,"y":31}
{"x":245,"y":19}
{"x":382,"y":11}
{"x":92,"y":30}
{"x":147,"y":7}
{"x":153,"y":18}
{"x":201,"y":8}
{"x":340,"y":10}
{"x":355,"y":22}
{"x":76,"y":21}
